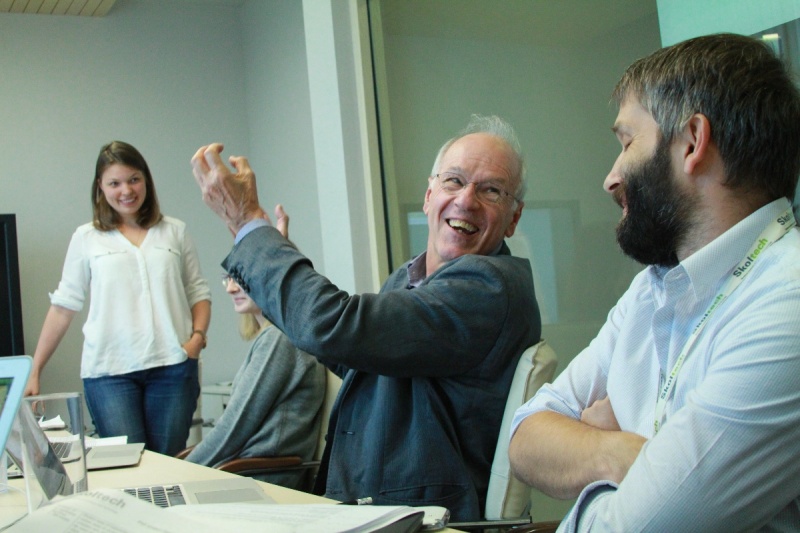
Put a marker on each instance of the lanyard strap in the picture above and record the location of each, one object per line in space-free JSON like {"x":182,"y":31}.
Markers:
{"x":772,"y":233}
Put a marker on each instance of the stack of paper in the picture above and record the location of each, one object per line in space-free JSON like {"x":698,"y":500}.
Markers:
{"x":113,"y":510}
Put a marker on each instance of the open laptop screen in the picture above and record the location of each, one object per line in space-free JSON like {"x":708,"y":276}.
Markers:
{"x":5,"y":384}
{"x":14,"y":372}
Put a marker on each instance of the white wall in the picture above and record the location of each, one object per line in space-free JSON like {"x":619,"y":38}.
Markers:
{"x":279,"y":117}
{"x":168,"y":77}
{"x":312,"y":141}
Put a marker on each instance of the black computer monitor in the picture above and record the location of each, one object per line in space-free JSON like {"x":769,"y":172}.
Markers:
{"x":11,"y":340}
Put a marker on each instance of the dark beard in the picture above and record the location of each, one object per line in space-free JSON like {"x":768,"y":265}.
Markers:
{"x":659,"y":214}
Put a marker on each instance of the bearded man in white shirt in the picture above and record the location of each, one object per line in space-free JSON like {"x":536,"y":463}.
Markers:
{"x":683,"y":414}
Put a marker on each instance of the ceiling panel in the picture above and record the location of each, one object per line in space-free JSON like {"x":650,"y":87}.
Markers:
{"x":83,"y":8}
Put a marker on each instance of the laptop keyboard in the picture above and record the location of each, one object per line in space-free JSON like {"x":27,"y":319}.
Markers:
{"x":161,"y":495}
{"x":62,"y":449}
{"x":65,"y":452}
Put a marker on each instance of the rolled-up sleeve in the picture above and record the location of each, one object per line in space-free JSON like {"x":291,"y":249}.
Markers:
{"x":75,"y":276}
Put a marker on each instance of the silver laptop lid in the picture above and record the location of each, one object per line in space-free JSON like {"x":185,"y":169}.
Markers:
{"x":31,"y":451}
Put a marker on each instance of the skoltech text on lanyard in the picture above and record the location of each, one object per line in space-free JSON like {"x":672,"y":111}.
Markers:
{"x":772,"y":233}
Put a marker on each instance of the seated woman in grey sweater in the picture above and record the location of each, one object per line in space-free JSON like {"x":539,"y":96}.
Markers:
{"x":275,"y":403}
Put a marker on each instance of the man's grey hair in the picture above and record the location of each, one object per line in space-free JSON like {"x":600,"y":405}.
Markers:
{"x":493,"y":125}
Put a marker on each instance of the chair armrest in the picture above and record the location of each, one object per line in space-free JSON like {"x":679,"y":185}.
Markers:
{"x":536,"y":527}
{"x":183,"y":453}
{"x":250,"y":466}
{"x":520,"y":525}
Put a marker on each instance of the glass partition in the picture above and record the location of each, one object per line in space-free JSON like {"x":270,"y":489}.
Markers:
{"x":549,"y":69}
{"x":785,"y":41}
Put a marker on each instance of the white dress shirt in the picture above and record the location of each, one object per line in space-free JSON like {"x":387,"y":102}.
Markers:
{"x":726,"y":457}
{"x":141,"y":298}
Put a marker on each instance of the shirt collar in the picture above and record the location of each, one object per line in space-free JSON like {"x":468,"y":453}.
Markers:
{"x":417,"y":267}
{"x":416,"y":270}
{"x":708,"y":267}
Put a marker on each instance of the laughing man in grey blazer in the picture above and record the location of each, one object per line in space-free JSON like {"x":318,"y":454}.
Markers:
{"x":427,"y":362}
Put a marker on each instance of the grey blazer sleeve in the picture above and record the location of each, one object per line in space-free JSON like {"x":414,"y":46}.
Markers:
{"x":461,"y":309}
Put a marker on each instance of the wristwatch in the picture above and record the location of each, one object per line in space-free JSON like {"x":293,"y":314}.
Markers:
{"x":203,"y":335}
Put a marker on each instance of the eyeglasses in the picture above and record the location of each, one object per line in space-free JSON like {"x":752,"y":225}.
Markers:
{"x":225,"y":279}
{"x":487,"y":192}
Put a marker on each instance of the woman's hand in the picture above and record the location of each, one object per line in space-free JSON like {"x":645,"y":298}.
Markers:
{"x":194,"y":346}
{"x":32,"y":387}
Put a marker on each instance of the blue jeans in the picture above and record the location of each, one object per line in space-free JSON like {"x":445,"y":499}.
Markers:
{"x":153,"y":406}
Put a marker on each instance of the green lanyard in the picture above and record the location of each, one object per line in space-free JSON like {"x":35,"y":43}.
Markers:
{"x":772,"y":233}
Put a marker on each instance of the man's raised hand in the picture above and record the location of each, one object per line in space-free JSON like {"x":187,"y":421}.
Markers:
{"x":233,"y":197}
{"x":281,"y":221}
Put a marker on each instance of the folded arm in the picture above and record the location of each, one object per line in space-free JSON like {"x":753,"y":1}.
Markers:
{"x":560,"y":455}
{"x":724,"y":460}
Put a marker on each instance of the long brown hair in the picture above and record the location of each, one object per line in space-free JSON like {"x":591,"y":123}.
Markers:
{"x":104,"y":216}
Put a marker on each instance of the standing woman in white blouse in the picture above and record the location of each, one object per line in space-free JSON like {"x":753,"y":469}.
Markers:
{"x":148,"y":313}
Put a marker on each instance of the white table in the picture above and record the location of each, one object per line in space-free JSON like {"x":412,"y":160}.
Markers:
{"x":153,"y":469}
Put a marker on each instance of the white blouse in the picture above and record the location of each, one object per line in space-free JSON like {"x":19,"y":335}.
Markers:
{"x":141,"y":298}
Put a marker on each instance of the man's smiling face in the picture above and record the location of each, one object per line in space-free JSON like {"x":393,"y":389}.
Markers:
{"x":460,"y":223}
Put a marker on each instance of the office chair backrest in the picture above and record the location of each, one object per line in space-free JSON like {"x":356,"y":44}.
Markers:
{"x":508,"y":497}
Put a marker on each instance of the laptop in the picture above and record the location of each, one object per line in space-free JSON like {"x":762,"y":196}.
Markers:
{"x":227,"y":490}
{"x":49,"y":472}
{"x":97,"y":457}
{"x":21,"y":435}
{"x":29,"y":448}
{"x":100,"y":457}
